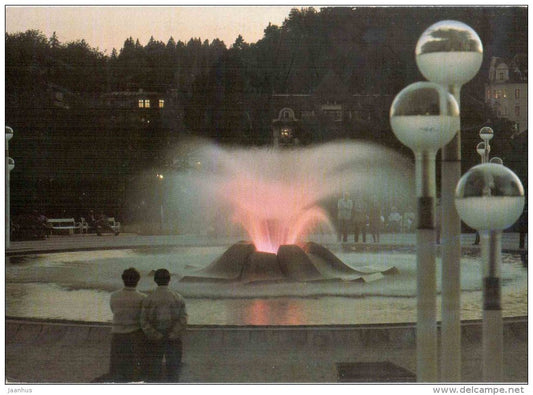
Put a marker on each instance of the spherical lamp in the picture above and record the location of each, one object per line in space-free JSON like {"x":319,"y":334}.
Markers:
{"x":424,"y":116}
{"x":486,"y":133}
{"x":489,"y":197}
{"x":481,"y":149}
{"x":449,"y":53}
{"x":9,"y":133}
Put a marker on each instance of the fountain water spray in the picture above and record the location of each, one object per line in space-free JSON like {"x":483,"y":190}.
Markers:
{"x":279,"y":196}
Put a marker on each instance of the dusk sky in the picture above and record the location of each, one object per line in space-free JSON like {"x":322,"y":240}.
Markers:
{"x":107,"y":27}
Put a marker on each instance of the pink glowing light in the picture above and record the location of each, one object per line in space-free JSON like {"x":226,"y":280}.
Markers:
{"x":276,"y":196}
{"x":273,"y":213}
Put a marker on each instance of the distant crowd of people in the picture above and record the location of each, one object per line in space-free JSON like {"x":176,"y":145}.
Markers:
{"x":361,"y":219}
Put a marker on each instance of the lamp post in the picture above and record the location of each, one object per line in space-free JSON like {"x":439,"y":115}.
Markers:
{"x":450,"y":53}
{"x":10,"y":165}
{"x":480,"y":149}
{"x":425,"y":117}
{"x":160,"y":177}
{"x":486,"y":135}
{"x":490,"y":198}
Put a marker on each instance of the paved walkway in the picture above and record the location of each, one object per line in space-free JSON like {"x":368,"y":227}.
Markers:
{"x":130,"y":240}
{"x":40,"y":352}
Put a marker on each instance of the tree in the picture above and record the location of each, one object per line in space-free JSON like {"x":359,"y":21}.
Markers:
{"x":54,"y":41}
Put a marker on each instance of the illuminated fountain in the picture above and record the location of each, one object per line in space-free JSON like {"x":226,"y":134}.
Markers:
{"x":278,"y":198}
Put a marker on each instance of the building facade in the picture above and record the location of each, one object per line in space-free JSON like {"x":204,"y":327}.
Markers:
{"x":327,"y":113}
{"x":506,"y":90}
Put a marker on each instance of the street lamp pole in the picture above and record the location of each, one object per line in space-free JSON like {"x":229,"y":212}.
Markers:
{"x":450,"y":53}
{"x":160,"y":176}
{"x":490,"y":198}
{"x":425,"y":117}
{"x":9,"y":164}
{"x":486,"y":133}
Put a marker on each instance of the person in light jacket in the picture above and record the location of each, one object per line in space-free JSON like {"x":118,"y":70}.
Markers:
{"x":163,"y":320}
{"x":344,"y":216}
{"x":127,"y":338}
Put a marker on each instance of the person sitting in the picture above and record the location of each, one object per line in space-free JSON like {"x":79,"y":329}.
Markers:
{"x":102,"y":225}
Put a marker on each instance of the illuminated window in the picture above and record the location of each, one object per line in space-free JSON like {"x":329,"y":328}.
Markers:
{"x":144,"y":103}
{"x":505,"y":93}
{"x":161,"y":103}
{"x":517,"y":93}
{"x":285,"y":133}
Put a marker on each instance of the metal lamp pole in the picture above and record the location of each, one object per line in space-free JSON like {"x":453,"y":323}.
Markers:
{"x":450,"y":53}
{"x":425,"y":117}
{"x":161,"y":212}
{"x":10,"y":165}
{"x":480,"y":149}
{"x":486,"y":133}
{"x":490,"y":198}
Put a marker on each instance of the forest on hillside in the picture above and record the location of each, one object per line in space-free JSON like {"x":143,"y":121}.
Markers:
{"x":370,"y":49}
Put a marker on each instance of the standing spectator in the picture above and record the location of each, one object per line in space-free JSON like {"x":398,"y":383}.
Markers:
{"x":163,"y":320}
{"x":359,"y":222}
{"x":395,"y":220}
{"x":344,"y":215}
{"x":522,"y":228}
{"x":127,"y":341}
{"x":477,"y":240}
{"x":374,"y":221}
{"x":409,"y":220}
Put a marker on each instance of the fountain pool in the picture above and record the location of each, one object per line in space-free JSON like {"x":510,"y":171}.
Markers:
{"x":76,"y":286}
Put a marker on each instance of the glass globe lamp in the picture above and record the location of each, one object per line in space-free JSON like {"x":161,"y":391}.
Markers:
{"x":489,"y":197}
{"x":486,"y":133}
{"x":9,"y":133}
{"x":481,"y":149}
{"x":424,"y":116}
{"x":449,"y":53}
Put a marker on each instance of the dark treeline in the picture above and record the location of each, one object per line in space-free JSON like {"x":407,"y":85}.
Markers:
{"x":65,"y":156}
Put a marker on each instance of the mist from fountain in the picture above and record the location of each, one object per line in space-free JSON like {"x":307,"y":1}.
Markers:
{"x":281,"y":195}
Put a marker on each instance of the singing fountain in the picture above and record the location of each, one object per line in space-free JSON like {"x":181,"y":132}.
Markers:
{"x":278,"y":197}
